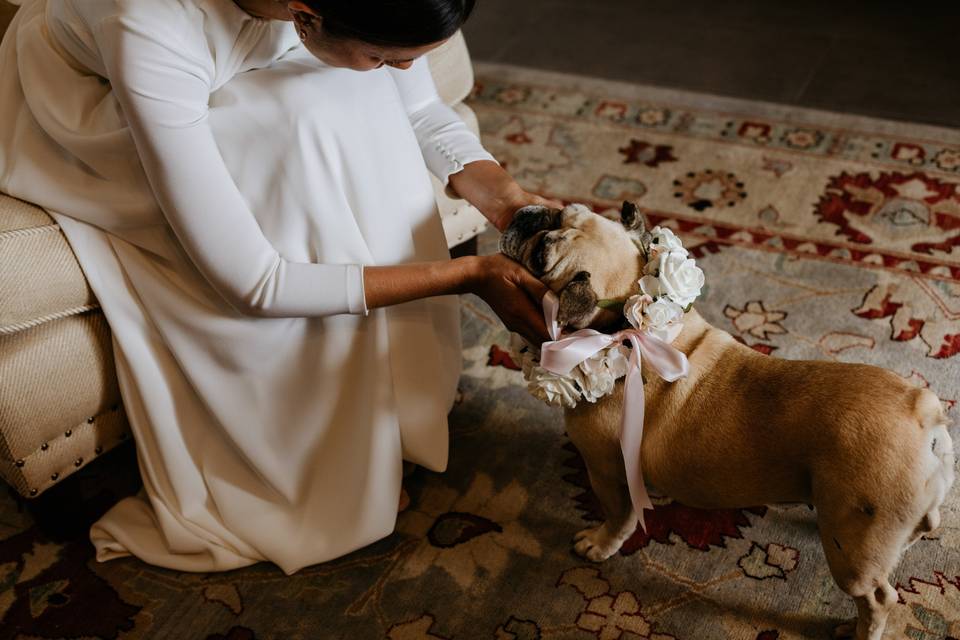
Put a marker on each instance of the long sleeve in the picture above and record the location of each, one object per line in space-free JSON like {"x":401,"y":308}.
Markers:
{"x":163,"y":86}
{"x":446,"y":142}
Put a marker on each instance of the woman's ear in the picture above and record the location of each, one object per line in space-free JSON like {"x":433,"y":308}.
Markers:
{"x":302,"y":7}
{"x":304,"y":17}
{"x":578,"y":302}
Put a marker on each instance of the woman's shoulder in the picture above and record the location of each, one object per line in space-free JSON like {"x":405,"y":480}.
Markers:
{"x":159,"y":13}
{"x":210,"y":38}
{"x":184,"y":22}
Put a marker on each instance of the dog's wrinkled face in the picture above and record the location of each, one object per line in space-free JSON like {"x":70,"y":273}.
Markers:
{"x":582,"y":256}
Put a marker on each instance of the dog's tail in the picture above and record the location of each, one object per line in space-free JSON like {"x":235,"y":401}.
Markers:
{"x":938,"y":450}
{"x":928,"y":410}
{"x":933,"y":420}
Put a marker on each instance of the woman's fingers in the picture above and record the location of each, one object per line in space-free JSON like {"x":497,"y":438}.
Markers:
{"x":516,"y":296}
{"x":533,"y":305}
{"x":533,"y":287}
{"x":547,"y":202}
{"x":526,"y":199}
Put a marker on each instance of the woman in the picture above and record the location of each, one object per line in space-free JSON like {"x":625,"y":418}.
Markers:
{"x":256,"y":219}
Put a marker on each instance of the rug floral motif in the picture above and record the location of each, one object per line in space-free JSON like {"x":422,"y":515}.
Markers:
{"x":818,"y":242}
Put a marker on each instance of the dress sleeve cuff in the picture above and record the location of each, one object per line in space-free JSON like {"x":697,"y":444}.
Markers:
{"x":448,"y":160}
{"x":457,"y":164}
{"x":356,"y":296}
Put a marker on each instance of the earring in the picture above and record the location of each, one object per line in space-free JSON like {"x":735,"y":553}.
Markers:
{"x":303,"y":35}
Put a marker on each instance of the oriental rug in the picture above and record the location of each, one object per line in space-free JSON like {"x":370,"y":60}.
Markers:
{"x":822,"y":236}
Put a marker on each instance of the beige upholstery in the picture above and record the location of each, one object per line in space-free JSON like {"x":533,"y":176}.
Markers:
{"x":40,"y":279}
{"x":59,"y":400}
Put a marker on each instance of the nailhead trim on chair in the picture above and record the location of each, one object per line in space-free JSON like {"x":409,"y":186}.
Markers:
{"x":112,"y":426}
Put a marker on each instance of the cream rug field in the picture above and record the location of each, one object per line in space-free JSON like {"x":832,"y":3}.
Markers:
{"x":822,"y":236}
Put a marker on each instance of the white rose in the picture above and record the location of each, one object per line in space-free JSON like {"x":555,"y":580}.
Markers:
{"x":598,"y":385}
{"x":633,"y":309}
{"x":602,"y":370}
{"x":597,"y":380}
{"x":662,"y":313}
{"x":556,"y":390}
{"x":618,"y":361}
{"x":665,"y":240}
{"x":650,"y":285}
{"x":680,"y":278}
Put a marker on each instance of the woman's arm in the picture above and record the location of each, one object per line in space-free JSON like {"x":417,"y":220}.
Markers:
{"x":163,"y":88}
{"x":454,"y":154}
{"x":163,"y":85}
{"x":510,"y":290}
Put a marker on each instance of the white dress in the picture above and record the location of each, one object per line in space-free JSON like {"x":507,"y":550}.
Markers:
{"x":222,"y":189}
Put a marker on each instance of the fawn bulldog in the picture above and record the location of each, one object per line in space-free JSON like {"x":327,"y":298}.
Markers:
{"x":861,"y":444}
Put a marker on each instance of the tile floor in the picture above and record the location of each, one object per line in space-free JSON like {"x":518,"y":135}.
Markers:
{"x":898,"y":60}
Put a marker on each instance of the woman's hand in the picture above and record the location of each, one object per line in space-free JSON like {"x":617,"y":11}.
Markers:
{"x":513,"y":293}
{"x":490,"y":189}
{"x":523,"y":199}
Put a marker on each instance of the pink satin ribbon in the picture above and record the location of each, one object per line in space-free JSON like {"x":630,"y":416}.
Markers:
{"x":564,"y":353}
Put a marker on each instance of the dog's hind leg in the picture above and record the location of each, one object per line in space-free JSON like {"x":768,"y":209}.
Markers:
{"x":868,"y":522}
{"x":862,"y":550}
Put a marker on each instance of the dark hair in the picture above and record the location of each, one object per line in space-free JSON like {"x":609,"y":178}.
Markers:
{"x":392,"y":23}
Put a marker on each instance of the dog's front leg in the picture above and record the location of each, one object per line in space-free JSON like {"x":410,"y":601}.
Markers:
{"x":599,"y":446}
{"x":600,"y":542}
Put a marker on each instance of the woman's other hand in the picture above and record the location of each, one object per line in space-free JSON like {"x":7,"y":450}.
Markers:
{"x":526,"y":199}
{"x":490,"y":189}
{"x":514,"y":200}
{"x":513,"y":293}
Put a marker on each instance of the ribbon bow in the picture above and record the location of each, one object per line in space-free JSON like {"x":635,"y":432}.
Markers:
{"x":564,"y":353}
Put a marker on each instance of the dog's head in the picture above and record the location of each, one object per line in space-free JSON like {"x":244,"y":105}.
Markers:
{"x":589,"y":261}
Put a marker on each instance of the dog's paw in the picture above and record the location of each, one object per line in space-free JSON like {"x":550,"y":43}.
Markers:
{"x":595,"y":544}
{"x":845,"y":631}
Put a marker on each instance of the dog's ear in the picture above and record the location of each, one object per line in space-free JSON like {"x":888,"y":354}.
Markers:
{"x":578,"y":302}
{"x":631,"y":217}
{"x":633,"y":220}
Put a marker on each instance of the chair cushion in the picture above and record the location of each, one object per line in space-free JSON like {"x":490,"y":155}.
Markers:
{"x":41,"y":279}
{"x":59,"y":400}
{"x":451,"y":69}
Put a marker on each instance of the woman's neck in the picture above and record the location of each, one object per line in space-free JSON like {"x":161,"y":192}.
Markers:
{"x":266,"y":9}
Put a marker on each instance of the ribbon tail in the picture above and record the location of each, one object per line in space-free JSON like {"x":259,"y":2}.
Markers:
{"x":631,"y":436}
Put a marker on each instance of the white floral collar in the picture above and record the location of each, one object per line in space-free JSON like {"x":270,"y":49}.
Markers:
{"x":670,"y":283}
